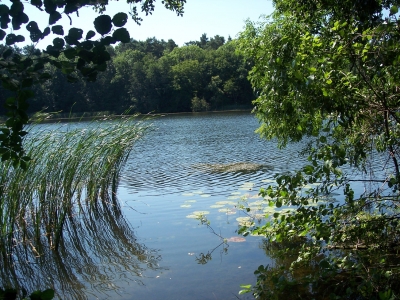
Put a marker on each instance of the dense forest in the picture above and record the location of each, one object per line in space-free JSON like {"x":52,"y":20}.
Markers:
{"x":150,"y":76}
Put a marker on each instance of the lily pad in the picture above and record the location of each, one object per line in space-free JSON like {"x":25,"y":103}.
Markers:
{"x":217,"y":206}
{"x":186,"y":205}
{"x":205,"y":195}
{"x":225,"y":203}
{"x":269,"y":210}
{"x":190,"y":201}
{"x":201,"y":212}
{"x":227,"y":211}
{"x":192,"y":216}
{"x":256,"y":203}
{"x":188,"y":194}
{"x":244,"y":221}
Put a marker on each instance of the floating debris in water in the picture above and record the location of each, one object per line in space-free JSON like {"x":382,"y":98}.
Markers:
{"x":236,"y":239}
{"x":186,"y":205}
{"x":242,"y":167}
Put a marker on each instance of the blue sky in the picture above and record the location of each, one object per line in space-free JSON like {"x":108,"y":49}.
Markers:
{"x":222,"y":17}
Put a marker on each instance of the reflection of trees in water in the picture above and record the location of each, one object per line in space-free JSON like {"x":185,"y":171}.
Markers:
{"x":98,"y":250}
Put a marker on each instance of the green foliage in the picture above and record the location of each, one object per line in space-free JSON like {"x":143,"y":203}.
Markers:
{"x":19,"y":73}
{"x":12,"y":294}
{"x":328,"y":71}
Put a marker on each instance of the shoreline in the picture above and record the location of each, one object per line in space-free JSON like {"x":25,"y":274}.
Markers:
{"x":110,"y":117}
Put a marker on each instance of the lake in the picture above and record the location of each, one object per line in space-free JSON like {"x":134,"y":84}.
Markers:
{"x":191,"y":163}
{"x":171,"y":229}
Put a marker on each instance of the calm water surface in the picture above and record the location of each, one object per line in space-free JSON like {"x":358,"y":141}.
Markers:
{"x":169,"y":176}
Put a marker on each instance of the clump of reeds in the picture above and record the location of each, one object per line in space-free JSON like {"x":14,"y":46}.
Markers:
{"x":72,"y":170}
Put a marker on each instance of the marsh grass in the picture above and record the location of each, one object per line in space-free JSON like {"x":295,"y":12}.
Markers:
{"x":67,"y":196}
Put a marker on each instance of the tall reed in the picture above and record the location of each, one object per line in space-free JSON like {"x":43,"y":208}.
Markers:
{"x":73,"y":171}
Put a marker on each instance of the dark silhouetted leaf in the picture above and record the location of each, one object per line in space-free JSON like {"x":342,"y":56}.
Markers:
{"x":50,"y":6}
{"x":37,"y":3}
{"x":4,"y":20}
{"x":108,"y":40}
{"x":11,"y":39}
{"x":70,"y":8}
{"x":87,"y":45}
{"x":7,"y":53}
{"x":75,"y":33}
{"x":70,"y":53}
{"x":57,"y":29}
{"x":122,"y":35}
{"x":101,"y":67}
{"x":103,"y":24}
{"x":4,"y":10}
{"x":27,"y":82}
{"x":16,"y":8}
{"x":2,"y":34}
{"x":58,"y":43}
{"x":54,"y":17}
{"x":90,"y":34}
{"x":46,"y":32}
{"x":120,"y":19}
{"x":32,"y":26}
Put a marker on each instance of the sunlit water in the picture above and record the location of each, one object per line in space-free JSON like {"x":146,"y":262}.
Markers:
{"x":168,"y":170}
{"x":174,"y":171}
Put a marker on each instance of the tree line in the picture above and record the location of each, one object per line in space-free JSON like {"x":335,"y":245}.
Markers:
{"x":149,"y":76}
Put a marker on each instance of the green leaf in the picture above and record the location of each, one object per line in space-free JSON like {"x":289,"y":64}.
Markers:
{"x":2,"y":34}
{"x":394,"y":10}
{"x":122,"y":35}
{"x":120,"y":19}
{"x":47,"y":294}
{"x":103,"y":24}
{"x":323,"y":264}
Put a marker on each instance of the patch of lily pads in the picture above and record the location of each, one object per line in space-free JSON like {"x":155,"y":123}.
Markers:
{"x":197,"y":214}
